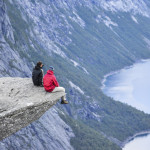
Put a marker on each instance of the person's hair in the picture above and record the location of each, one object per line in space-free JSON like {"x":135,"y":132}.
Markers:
{"x":39,"y":63}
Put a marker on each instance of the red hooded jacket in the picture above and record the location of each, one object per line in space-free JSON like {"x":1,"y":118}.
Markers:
{"x":49,"y":81}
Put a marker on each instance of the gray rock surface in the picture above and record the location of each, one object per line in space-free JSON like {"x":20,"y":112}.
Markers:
{"x":22,"y":103}
{"x":50,"y":132}
{"x":11,"y":63}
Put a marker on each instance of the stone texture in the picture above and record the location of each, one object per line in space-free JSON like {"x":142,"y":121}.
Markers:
{"x":49,"y":132}
{"x":11,"y":63}
{"x":22,"y":103}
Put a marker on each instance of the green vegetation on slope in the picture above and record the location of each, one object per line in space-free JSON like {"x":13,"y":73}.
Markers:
{"x":99,"y":50}
{"x":87,"y":138}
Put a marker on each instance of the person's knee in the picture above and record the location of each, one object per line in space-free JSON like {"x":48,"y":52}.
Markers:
{"x":63,"y":89}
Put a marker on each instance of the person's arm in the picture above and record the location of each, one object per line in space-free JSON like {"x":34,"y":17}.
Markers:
{"x":55,"y":82}
{"x":41,"y":78}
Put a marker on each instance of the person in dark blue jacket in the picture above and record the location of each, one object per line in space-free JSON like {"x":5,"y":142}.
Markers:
{"x":37,"y":74}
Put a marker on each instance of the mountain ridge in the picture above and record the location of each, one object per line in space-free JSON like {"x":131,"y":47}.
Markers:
{"x":83,"y":41}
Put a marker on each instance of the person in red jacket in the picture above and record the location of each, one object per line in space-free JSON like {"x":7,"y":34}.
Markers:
{"x":51,"y":85}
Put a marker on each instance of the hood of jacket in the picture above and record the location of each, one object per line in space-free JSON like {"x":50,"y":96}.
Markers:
{"x":50,"y":72}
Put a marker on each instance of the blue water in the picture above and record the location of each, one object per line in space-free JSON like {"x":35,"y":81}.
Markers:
{"x":132,"y":86}
{"x":139,"y":143}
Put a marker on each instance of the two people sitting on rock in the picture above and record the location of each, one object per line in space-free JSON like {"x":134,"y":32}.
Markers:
{"x":49,"y":81}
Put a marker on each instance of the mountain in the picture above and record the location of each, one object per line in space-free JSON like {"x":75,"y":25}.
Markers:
{"x":83,"y":40}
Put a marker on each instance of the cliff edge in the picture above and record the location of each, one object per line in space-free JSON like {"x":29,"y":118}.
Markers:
{"x":22,"y":103}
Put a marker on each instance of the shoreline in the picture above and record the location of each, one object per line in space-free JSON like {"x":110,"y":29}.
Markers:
{"x":117,"y":71}
{"x":142,"y":133}
{"x":130,"y":138}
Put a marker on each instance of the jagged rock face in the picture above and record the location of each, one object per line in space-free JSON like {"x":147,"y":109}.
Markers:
{"x":11,"y":63}
{"x":50,"y":132}
{"x":56,"y":28}
{"x":22,"y":103}
{"x":5,"y":26}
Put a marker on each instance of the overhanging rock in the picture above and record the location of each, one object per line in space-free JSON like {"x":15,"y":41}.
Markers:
{"x":22,"y":103}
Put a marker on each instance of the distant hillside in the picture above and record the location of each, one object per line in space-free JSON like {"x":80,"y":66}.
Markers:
{"x":83,"y":40}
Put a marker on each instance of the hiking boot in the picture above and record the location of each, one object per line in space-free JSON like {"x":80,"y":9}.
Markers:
{"x":64,"y":102}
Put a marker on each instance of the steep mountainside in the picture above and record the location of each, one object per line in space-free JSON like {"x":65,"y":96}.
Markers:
{"x":83,"y":40}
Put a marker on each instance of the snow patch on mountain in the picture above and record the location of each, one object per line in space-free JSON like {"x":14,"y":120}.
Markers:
{"x":134,"y":6}
{"x":147,"y":41}
{"x":74,"y":63}
{"x":134,"y":19}
{"x":78,"y":65}
{"x":98,"y":18}
{"x":76,"y":87}
{"x":108,"y":22}
{"x":85,"y":70}
{"x":77,"y":19}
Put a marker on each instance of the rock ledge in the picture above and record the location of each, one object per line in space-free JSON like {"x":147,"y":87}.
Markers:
{"x":22,"y":103}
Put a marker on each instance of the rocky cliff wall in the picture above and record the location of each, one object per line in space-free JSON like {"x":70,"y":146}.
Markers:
{"x":11,"y":64}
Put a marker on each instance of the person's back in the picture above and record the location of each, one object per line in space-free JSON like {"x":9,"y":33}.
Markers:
{"x":51,"y":85}
{"x":37,"y":74}
{"x":49,"y":81}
